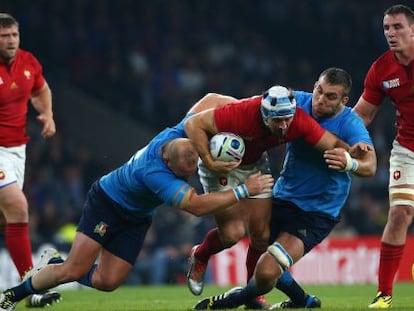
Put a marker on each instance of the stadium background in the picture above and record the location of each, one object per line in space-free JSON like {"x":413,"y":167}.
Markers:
{"x":122,"y":70}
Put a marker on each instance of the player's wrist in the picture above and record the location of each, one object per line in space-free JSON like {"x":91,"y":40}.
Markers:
{"x":241,"y":192}
{"x":351,"y":163}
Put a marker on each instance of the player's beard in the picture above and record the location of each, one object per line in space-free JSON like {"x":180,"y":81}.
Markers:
{"x":7,"y":55}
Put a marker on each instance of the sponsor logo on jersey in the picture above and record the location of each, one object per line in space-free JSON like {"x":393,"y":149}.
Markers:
{"x":101,"y":228}
{"x":2,"y":175}
{"x":27,"y":74}
{"x":389,"y":84}
{"x":396,"y":175}
{"x":1,"y":81}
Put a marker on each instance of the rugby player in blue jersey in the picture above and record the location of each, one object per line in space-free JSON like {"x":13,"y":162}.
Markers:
{"x":119,"y":209}
{"x":309,"y":194}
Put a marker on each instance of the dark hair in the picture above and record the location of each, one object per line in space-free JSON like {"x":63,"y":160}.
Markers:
{"x":6,"y":20}
{"x":401,"y":9}
{"x":338,"y":76}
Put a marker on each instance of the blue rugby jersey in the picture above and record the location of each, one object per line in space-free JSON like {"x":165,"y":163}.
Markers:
{"x":305,"y":178}
{"x":145,"y":181}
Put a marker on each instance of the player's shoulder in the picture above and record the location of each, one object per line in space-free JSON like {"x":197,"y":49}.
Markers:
{"x":385,"y":59}
{"x":25,"y":55}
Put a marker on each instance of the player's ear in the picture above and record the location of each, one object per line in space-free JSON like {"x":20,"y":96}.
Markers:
{"x":345,"y":100}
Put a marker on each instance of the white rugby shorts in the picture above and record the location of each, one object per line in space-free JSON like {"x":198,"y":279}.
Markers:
{"x":12,"y":162}
{"x":401,"y":184}
{"x":213,"y":182}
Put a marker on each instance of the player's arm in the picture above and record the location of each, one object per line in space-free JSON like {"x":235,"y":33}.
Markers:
{"x":198,"y":128}
{"x":365,"y":110}
{"x":361,"y":159}
{"x":211,"y":100}
{"x":41,"y":100}
{"x":208,"y":203}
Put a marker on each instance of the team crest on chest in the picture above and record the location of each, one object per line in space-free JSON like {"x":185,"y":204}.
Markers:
{"x":27,"y":74}
{"x":2,"y":175}
{"x":1,"y":81}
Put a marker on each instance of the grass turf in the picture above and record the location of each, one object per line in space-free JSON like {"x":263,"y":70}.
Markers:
{"x":165,"y":298}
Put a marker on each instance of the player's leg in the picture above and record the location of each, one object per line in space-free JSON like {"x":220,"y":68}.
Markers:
{"x":14,"y":208}
{"x":120,"y":253}
{"x":400,"y":216}
{"x":268,"y":269}
{"x":230,"y":228}
{"x":259,"y":233}
{"x":81,"y":258}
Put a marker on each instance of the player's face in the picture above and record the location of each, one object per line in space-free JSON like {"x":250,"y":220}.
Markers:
{"x":9,"y":43}
{"x":279,"y":126}
{"x":398,"y":33}
{"x":327,"y":99}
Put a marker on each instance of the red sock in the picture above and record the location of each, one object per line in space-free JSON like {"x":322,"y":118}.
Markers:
{"x":252,"y":257}
{"x":211,"y":245}
{"x":18,"y":245}
{"x":390,"y":258}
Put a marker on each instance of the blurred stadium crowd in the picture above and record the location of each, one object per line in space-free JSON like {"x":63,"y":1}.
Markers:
{"x":141,"y":58}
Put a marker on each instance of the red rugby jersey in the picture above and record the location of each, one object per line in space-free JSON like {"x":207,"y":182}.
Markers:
{"x":17,"y":82}
{"x":388,"y":78}
{"x":243,"y":118}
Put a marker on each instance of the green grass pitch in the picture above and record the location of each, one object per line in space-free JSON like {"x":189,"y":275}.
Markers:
{"x":165,"y":298}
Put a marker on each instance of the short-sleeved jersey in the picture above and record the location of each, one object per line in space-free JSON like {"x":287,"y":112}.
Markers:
{"x":243,"y":118}
{"x":145,"y":181}
{"x":388,"y":78}
{"x":305,"y":178}
{"x":17,"y":82}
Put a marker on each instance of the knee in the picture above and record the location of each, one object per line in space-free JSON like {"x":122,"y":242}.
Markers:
{"x":106,"y":284}
{"x":16,"y":211}
{"x":259,"y":240}
{"x":401,"y":214}
{"x":231,"y":236}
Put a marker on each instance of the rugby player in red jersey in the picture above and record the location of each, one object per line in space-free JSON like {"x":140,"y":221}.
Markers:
{"x":391,"y":75}
{"x":263,"y":122}
{"x":21,"y":80}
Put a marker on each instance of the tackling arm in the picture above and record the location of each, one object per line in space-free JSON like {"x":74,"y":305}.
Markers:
{"x":211,"y":100}
{"x":208,"y":203}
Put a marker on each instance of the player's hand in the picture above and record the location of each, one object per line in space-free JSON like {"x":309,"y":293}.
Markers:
{"x":49,"y":127}
{"x":259,"y":183}
{"x":335,"y":159}
{"x":359,"y":150}
{"x":222,"y":167}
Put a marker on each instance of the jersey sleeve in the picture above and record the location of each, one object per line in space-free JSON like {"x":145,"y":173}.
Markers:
{"x":39,"y":79}
{"x":170,"y":189}
{"x":308,"y":128}
{"x":372,"y":92}
{"x":354,"y":131}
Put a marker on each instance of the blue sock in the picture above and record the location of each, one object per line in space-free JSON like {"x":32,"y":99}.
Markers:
{"x":291,"y":288}
{"x":87,"y":279}
{"x":246,"y":294}
{"x":23,"y":290}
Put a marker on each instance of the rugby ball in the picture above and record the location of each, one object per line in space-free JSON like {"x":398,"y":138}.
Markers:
{"x":225,"y":146}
